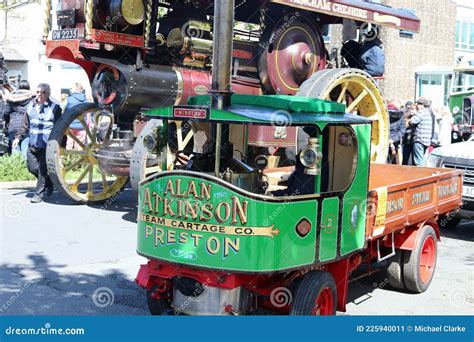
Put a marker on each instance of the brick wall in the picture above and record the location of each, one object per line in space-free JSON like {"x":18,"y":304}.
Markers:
{"x":434,"y":45}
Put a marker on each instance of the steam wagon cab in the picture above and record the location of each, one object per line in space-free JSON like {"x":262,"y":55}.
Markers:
{"x":225,"y":231}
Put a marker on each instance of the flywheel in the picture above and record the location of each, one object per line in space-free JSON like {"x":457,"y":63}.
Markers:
{"x":290,"y":52}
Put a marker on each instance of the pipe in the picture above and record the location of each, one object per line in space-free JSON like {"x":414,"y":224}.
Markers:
{"x":221,"y":69}
{"x":222,"y":53}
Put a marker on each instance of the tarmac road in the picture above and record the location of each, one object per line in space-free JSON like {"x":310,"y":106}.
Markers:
{"x":63,"y":259}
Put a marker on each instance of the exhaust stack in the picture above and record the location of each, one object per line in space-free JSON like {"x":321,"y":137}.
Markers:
{"x":221,"y":71}
{"x":222,"y":53}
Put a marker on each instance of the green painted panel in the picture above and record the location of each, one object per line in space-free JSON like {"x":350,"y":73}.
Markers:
{"x":199,"y":221}
{"x":329,"y":229}
{"x":355,"y":199}
{"x":456,"y":101}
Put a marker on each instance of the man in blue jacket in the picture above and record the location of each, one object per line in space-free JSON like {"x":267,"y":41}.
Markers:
{"x":77,"y":96}
{"x":39,"y":120}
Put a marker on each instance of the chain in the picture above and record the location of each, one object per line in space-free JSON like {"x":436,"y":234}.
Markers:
{"x":89,"y":17}
{"x":148,"y":22}
{"x":47,"y":12}
{"x":263,"y":16}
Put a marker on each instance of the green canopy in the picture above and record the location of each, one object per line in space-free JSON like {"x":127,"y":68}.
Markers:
{"x":275,"y":110}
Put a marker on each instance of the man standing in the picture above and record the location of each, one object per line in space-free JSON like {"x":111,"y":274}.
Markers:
{"x":40,"y":118}
{"x":423,"y":123}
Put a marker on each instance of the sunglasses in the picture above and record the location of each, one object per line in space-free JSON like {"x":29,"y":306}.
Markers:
{"x":41,"y":92}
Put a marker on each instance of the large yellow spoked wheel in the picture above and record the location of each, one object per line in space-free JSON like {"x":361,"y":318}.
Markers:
{"x":70,"y":155}
{"x":358,"y":91}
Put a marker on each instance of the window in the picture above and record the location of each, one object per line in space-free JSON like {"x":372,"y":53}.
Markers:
{"x":327,"y":34}
{"x":405,"y":33}
{"x":465,"y":35}
{"x":433,"y":86}
{"x":462,"y":82}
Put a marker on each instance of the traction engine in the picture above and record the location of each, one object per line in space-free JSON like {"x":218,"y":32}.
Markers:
{"x":143,"y":54}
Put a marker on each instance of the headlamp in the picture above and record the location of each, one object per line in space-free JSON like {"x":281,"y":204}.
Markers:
{"x":150,"y":143}
{"x":311,"y":156}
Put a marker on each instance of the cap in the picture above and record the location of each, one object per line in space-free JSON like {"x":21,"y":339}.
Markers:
{"x":423,"y":101}
{"x":392,"y":106}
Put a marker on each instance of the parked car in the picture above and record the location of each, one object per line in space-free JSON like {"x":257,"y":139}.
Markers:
{"x":457,"y":156}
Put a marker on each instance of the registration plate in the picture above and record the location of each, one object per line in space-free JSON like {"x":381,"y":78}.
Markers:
{"x":65,"y":34}
{"x":468,"y":191}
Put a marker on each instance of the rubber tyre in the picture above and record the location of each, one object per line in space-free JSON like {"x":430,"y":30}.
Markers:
{"x":309,"y":290}
{"x":157,"y":307}
{"x":56,"y":141}
{"x":394,"y":271}
{"x":411,"y":262}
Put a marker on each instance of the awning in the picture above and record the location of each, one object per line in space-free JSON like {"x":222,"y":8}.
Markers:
{"x":364,"y":11}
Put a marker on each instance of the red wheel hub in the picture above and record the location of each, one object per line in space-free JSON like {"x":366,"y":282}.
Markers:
{"x":324,"y":304}
{"x":427,"y":259}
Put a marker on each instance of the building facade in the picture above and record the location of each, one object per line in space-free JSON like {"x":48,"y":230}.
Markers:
{"x":421,"y":64}
{"x":417,"y":64}
{"x":20,"y":41}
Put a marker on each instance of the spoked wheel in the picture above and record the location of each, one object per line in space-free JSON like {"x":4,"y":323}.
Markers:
{"x":181,"y":140}
{"x":145,"y":164}
{"x":358,"y":91}
{"x":70,"y":155}
{"x":316,"y":295}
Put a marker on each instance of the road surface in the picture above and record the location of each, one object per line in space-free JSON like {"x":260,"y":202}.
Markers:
{"x":62,"y":259}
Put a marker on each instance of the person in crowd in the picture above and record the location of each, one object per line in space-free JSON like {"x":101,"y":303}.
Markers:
{"x":408,"y":138}
{"x":445,"y":124}
{"x":435,"y":127}
{"x":424,"y":127}
{"x":3,"y":70}
{"x":368,"y":56}
{"x":397,"y":132}
{"x":76,"y":96}
{"x":373,"y":57}
{"x":63,"y":101}
{"x":350,"y":51}
{"x":39,"y":121}
{"x":13,"y":115}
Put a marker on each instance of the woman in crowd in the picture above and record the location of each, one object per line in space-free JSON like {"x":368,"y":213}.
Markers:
{"x":397,"y":132}
{"x":14,"y":112}
{"x":408,"y":138}
{"x":445,"y":122}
